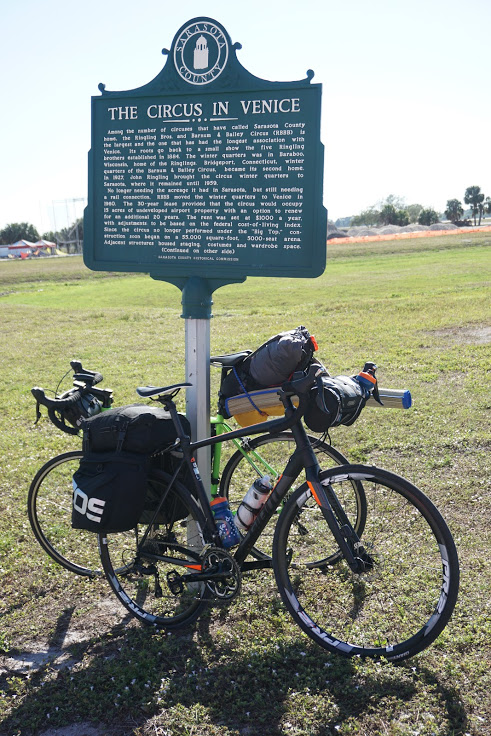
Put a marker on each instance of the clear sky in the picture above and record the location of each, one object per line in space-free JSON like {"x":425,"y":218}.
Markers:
{"x":406,"y":90}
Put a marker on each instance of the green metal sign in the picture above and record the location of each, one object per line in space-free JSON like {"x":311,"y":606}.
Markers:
{"x":207,"y":172}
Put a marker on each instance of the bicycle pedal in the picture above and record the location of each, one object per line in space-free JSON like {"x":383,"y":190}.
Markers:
{"x":174,"y":581}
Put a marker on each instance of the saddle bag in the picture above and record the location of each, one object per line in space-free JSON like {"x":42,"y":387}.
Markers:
{"x":278,"y":358}
{"x":270,"y":365}
{"x":340,"y":402}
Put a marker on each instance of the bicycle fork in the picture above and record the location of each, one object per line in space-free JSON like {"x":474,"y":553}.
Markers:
{"x":346,"y":538}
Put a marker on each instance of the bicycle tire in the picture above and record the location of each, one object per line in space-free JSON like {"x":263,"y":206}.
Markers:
{"x":49,"y":508}
{"x":238,"y":475}
{"x":397,"y":608}
{"x":146,"y":595}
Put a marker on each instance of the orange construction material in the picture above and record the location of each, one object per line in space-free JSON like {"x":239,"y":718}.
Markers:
{"x":418,"y":234}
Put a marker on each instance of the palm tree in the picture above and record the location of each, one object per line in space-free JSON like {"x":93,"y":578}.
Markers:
{"x":475,"y":198}
{"x":428,"y":216}
{"x":454,"y":210}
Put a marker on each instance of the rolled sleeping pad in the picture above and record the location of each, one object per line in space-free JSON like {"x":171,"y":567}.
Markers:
{"x":392,"y":398}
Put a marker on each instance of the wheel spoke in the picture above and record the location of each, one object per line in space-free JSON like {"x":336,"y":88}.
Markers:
{"x":50,"y":515}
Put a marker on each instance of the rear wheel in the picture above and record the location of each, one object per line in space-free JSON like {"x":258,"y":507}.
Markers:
{"x":268,"y":455}
{"x":148,"y":567}
{"x":49,"y":507}
{"x":405,"y":596}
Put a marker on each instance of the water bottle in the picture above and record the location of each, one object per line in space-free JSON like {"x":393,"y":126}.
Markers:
{"x":253,"y":501}
{"x":225,"y":523}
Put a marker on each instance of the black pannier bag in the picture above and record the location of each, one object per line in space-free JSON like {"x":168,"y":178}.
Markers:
{"x":109,"y":492}
{"x":172,"y":509}
{"x":340,"y":402}
{"x":271,"y":364}
{"x":111,"y":488}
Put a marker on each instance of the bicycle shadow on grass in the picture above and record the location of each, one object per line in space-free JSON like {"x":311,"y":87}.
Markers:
{"x":131,"y":680}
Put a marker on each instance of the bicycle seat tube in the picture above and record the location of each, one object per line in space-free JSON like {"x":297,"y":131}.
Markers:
{"x":302,"y":457}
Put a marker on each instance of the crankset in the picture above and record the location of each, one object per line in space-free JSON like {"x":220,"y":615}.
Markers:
{"x":217,"y":570}
{"x":221,"y":574}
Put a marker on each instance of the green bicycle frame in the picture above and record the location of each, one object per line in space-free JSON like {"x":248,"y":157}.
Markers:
{"x":258,"y":463}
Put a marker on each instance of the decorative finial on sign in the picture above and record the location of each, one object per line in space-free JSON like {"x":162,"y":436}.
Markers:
{"x":165,"y":52}
{"x":101,"y":87}
{"x":237,"y":46}
{"x":310,"y":74}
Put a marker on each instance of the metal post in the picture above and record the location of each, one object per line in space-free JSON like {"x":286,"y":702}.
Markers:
{"x":197,"y":353}
{"x":196,"y":310}
{"x":197,"y":302}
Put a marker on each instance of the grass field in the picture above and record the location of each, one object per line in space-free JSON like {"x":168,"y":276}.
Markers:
{"x":422,"y":311}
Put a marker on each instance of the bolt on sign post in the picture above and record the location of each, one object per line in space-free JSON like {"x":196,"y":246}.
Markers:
{"x":202,"y":177}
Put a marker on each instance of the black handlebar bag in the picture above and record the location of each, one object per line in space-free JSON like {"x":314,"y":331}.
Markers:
{"x":109,"y":492}
{"x":339,"y":400}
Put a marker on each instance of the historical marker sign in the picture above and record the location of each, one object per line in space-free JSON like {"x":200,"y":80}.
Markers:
{"x":207,"y":170}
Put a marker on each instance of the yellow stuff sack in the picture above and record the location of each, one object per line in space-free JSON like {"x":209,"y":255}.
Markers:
{"x":255,"y":406}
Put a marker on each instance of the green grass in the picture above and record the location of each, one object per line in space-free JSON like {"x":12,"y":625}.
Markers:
{"x":421,"y":309}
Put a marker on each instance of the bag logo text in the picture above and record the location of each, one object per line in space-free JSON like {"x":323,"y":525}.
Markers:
{"x":92,"y":508}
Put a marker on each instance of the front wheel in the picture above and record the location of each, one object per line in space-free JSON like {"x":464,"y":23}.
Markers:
{"x":405,"y":597}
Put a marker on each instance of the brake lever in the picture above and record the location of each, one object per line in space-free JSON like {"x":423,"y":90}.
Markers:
{"x":304,"y":384}
{"x":38,"y":413}
{"x":368,"y":379}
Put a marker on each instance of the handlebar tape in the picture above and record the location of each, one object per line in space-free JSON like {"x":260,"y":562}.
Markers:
{"x":89,"y":377}
{"x":57,"y":404}
{"x":60,"y":423}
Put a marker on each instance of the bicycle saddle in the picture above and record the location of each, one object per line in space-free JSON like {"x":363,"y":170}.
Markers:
{"x":147,"y":391}
{"x":227,"y":361}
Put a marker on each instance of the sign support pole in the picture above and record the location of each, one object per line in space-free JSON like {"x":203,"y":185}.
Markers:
{"x":196,"y":302}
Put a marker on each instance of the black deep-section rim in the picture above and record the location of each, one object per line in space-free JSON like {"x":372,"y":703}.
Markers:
{"x":450,"y":570}
{"x":36,"y":526}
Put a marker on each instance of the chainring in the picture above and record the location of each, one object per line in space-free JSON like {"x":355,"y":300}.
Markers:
{"x":226,"y":582}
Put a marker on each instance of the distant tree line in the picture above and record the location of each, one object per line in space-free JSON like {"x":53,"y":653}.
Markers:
{"x":393,"y":211}
{"x":69,"y":238}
